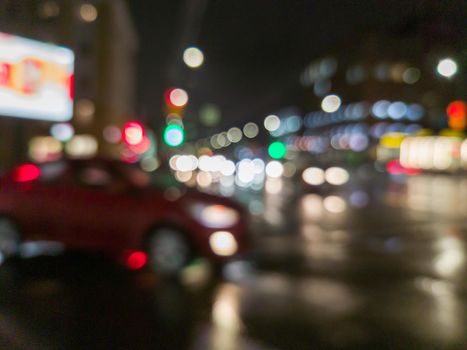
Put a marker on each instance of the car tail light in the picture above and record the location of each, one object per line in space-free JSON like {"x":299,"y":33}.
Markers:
{"x":26,"y":173}
{"x":136,"y":260}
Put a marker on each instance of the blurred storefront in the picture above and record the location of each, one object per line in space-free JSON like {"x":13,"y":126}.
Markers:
{"x":406,"y":81}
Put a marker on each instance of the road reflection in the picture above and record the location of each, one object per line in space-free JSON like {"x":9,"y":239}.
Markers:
{"x":82,"y":302}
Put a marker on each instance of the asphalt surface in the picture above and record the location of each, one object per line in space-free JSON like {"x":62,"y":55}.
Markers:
{"x":377,"y":264}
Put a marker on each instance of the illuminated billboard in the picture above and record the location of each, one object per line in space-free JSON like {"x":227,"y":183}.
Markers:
{"x":36,"y":79}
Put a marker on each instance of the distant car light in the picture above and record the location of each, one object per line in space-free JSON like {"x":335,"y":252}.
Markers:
{"x":214,"y":216}
{"x":336,"y":176}
{"x":223,"y":243}
{"x":313,"y":176}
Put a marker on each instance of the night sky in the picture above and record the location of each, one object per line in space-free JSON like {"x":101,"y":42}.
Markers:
{"x":256,"y":49}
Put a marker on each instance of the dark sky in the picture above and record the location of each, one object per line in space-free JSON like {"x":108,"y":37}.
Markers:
{"x":255,"y":49}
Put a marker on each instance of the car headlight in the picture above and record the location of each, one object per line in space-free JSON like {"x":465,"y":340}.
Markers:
{"x":223,"y":243}
{"x":215,"y":215}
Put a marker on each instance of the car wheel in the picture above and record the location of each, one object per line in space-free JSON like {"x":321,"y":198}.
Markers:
{"x":9,"y":238}
{"x":168,"y":251}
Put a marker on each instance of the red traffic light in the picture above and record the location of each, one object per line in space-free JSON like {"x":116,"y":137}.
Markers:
{"x":133,"y":133}
{"x":176,"y":98}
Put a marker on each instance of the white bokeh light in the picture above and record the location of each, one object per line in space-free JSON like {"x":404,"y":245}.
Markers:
{"x":274,"y":169}
{"x":336,"y":176}
{"x":193,"y":57}
{"x":272,"y":122}
{"x":334,"y":204}
{"x":178,"y":97}
{"x":313,"y":176}
{"x":331,"y":103}
{"x":447,"y":67}
{"x":251,"y":130}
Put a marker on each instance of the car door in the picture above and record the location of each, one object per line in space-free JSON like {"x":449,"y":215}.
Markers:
{"x":99,"y":207}
{"x":40,"y":201}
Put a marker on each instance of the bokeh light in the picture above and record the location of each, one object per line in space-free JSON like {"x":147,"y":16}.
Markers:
{"x":26,"y":172}
{"x":274,"y":169}
{"x":411,"y":75}
{"x":137,"y":260}
{"x":322,"y":87}
{"x":274,"y":186}
{"x":447,"y":67}
{"x":149,"y":164}
{"x":272,"y":122}
{"x":82,"y":146}
{"x":290,"y":169}
{"x":415,"y":112}
{"x":210,"y":115}
{"x":223,"y":243}
{"x":132,"y":133}
{"x":204,"y":179}
{"x":227,"y":168}
{"x":331,"y":103}
{"x":311,"y":207}
{"x":251,"y":130}
{"x":112,"y":134}
{"x":174,"y":135}
{"x":88,"y":12}
{"x":62,"y":131}
{"x":277,"y":150}
{"x":234,"y":135}
{"x":457,"y":115}
{"x":313,"y":176}
{"x":193,"y":57}
{"x":334,"y":204}
{"x":48,"y":9}
{"x":336,"y":176}
{"x":186,"y":163}
{"x":359,"y":199}
{"x":245,"y":171}
{"x":43,"y":149}
{"x":380,"y":109}
{"x":84,"y":109}
{"x":183,"y":176}
{"x":177,"y":97}
{"x":397,"y":110}
{"x":223,"y":140}
{"x":358,"y":142}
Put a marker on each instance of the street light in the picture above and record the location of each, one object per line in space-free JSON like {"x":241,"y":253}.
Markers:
{"x":193,"y":57}
{"x":447,"y":67}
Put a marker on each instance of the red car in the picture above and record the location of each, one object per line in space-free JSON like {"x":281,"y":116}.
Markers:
{"x":108,"y":206}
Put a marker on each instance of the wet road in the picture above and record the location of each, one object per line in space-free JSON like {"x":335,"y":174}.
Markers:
{"x":377,"y":264}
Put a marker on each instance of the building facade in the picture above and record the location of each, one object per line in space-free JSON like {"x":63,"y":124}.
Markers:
{"x":104,"y":41}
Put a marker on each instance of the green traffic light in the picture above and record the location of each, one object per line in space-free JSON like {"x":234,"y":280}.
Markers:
{"x":174,"y":135}
{"x":277,"y":150}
